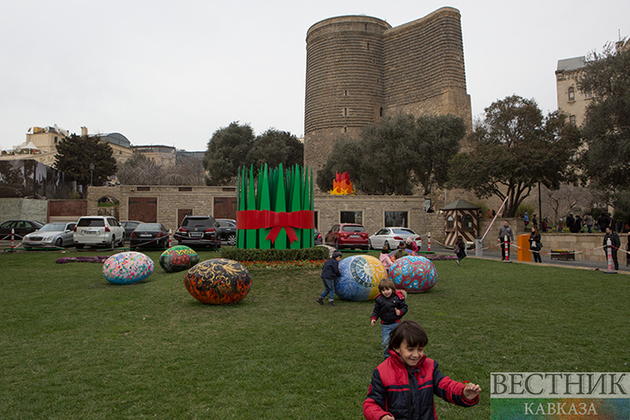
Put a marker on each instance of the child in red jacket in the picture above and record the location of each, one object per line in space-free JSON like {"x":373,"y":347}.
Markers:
{"x":403,"y":386}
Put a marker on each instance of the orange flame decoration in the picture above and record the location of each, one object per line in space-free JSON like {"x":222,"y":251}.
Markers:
{"x":342,"y":184}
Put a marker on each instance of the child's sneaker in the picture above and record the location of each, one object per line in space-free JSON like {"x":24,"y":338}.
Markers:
{"x":331,"y":303}
{"x":458,"y":263}
{"x":320,"y":300}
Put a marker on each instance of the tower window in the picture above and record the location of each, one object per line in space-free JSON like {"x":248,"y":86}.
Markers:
{"x":571,"y":94}
{"x":345,"y":112}
{"x":381,"y":111}
{"x":572,"y":120}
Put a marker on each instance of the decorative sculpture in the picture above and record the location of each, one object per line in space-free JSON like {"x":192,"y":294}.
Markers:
{"x":178,"y":258}
{"x":218,"y":281}
{"x":127,"y":268}
{"x":413,"y":273}
{"x":360,"y":276}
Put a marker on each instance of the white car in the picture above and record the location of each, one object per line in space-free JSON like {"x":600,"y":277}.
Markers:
{"x":392,"y":237}
{"x":57,"y":234}
{"x":98,"y":231}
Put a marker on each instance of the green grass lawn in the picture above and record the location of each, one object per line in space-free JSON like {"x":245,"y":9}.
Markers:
{"x":73,"y":346}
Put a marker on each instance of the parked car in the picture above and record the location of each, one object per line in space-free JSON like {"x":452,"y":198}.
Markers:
{"x":98,"y":231}
{"x":198,"y":230}
{"x":392,"y":237}
{"x":149,"y":235}
{"x":227,"y":231}
{"x":21,"y":228}
{"x":57,"y":234}
{"x":129,"y":226}
{"x":317,"y":237}
{"x":347,"y":235}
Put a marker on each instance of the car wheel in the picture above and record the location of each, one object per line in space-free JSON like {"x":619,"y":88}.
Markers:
{"x":112,"y":242}
{"x":59,"y":243}
{"x":231,"y":239}
{"x":336,"y":244}
{"x":386,"y":243}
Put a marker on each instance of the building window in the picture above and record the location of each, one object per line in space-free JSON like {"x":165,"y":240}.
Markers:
{"x":572,"y":120}
{"x":588,"y":94}
{"x":345,"y":129}
{"x":571,"y":94}
{"x":380,"y":111}
{"x":345,"y":93}
{"x":396,"y":218}
{"x":450,"y":222}
{"x":345,"y":112}
{"x":351,"y":217}
{"x":55,"y":139}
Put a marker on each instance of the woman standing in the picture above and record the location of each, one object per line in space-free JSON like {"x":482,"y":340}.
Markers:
{"x":535,"y":244}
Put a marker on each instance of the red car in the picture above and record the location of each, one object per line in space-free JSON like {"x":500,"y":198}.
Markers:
{"x":348,"y":235}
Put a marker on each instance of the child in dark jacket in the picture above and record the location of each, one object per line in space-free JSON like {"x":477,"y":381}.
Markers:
{"x":390,"y":306}
{"x":330,"y":274}
{"x":460,"y":249}
{"x":403,"y":385}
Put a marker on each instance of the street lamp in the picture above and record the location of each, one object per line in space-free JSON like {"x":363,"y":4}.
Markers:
{"x":91,"y":174}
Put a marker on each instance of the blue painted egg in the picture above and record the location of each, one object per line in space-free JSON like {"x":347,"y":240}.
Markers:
{"x":127,"y":268}
{"x":360,"y":276}
{"x":413,"y":274}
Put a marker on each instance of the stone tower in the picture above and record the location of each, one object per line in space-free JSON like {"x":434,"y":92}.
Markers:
{"x":359,"y":69}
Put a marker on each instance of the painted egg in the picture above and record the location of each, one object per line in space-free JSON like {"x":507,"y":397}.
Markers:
{"x":360,"y":276}
{"x":178,"y":258}
{"x":413,"y":274}
{"x":218,"y":281}
{"x":127,"y":268}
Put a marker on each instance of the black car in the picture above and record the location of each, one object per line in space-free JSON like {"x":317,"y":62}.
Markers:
{"x":149,"y":235}
{"x":227,"y":231}
{"x":21,"y":228}
{"x":198,"y":230}
{"x":129,"y":226}
{"x":317,"y":237}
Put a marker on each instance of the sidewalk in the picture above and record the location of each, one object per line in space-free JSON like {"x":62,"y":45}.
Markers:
{"x":495,"y":254}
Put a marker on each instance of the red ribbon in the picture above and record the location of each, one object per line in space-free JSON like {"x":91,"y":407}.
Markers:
{"x":265,"y":219}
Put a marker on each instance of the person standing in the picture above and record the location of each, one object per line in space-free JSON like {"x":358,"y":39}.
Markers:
{"x":534,"y":221}
{"x":588,"y":221}
{"x":460,"y":249}
{"x":535,"y":244}
{"x":615,"y":244}
{"x":603,"y":221}
{"x":330,"y":274}
{"x":505,"y":236}
{"x":526,"y":219}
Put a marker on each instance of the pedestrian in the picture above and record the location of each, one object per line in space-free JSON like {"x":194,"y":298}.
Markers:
{"x":401,"y":251}
{"x":570,"y":221}
{"x":411,"y":245}
{"x":390,"y":307}
{"x":330,"y":274}
{"x":403,"y":386}
{"x":588,"y":221}
{"x":460,"y":249}
{"x":534,"y":221}
{"x":385,"y":258}
{"x":526,"y":219}
{"x":560,"y":226}
{"x":494,"y":213}
{"x":535,"y":244}
{"x":545,"y":225}
{"x":505,"y":236}
{"x":615,"y":244}
{"x":577,"y":225}
{"x":603,"y":221}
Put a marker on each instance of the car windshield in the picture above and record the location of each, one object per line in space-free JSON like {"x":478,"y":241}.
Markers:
{"x":53,"y":227}
{"x":148,"y":226}
{"x":91,"y":223}
{"x":404,"y":232}
{"x":196,"y":222}
{"x":353,"y":229}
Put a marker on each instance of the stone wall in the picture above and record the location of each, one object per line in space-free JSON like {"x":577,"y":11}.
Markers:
{"x":66,"y":210}
{"x":23,"y":208}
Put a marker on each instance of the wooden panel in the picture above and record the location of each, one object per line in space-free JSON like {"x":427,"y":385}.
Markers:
{"x":225,"y":208}
{"x":143,"y":209}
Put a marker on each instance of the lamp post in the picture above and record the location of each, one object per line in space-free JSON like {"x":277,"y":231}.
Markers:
{"x":91,"y":174}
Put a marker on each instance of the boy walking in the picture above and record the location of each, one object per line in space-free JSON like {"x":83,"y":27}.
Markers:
{"x":330,"y":274}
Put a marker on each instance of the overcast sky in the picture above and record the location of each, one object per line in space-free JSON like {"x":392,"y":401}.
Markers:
{"x":173,"y":72}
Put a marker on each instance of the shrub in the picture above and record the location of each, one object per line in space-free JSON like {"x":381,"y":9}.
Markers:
{"x":238,"y":254}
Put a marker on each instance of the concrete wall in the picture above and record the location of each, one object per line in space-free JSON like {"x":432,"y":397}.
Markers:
{"x":23,"y":208}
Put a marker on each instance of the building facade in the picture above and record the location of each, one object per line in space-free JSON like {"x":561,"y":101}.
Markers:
{"x":571,"y":100}
{"x":359,"y":70}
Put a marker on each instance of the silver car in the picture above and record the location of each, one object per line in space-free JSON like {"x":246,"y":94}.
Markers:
{"x":57,"y":234}
{"x":392,"y":236}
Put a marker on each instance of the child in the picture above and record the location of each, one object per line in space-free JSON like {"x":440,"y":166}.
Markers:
{"x":403,"y":385}
{"x":460,"y":249}
{"x":385,"y":259}
{"x":411,"y":245}
{"x":330,"y":274}
{"x":390,"y":306}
